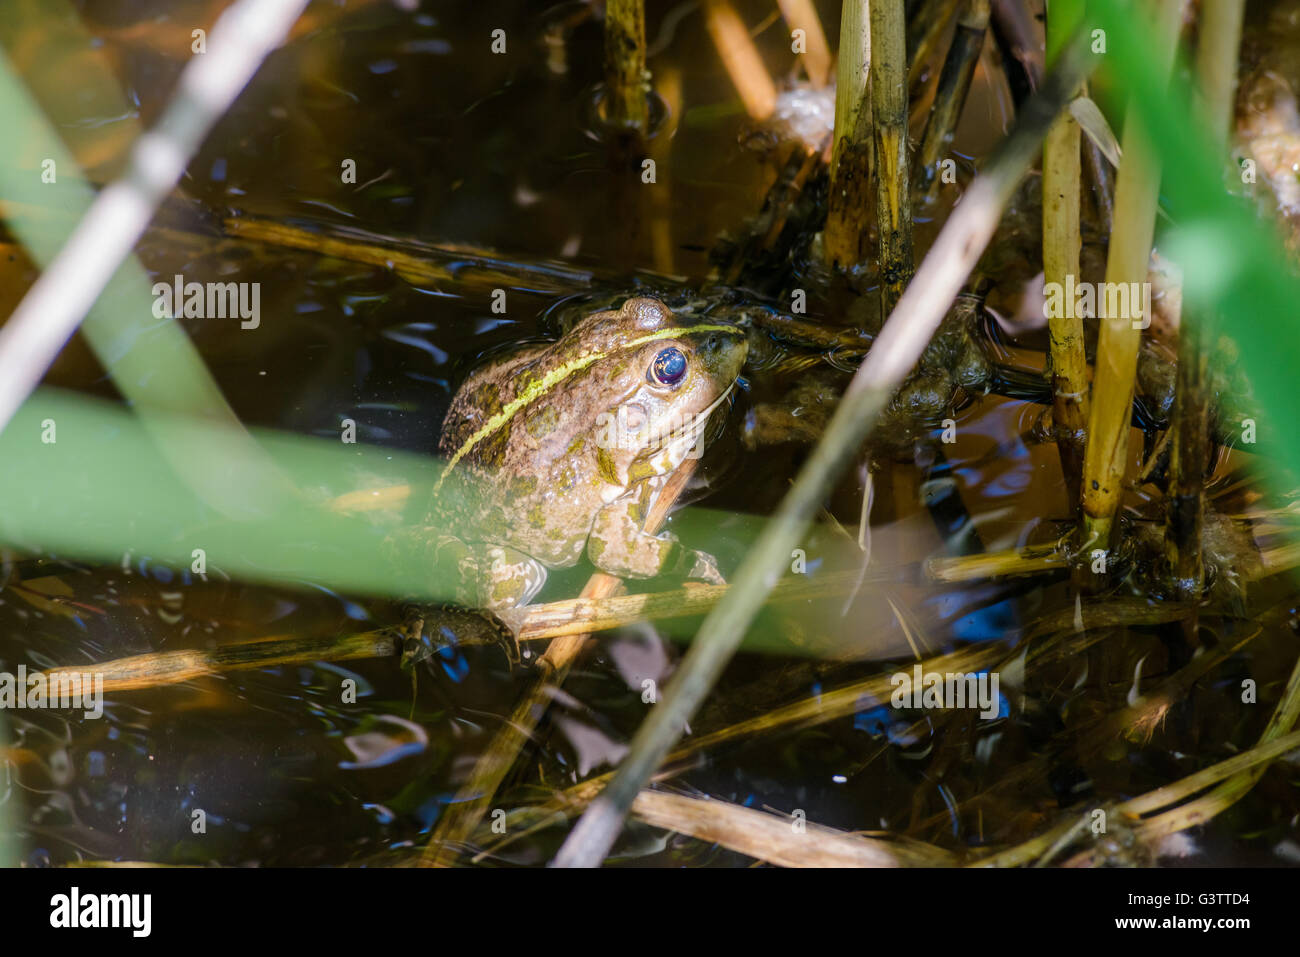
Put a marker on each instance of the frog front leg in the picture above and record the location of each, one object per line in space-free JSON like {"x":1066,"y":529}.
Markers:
{"x":494,"y":578}
{"x":619,"y":546}
{"x":503,"y":580}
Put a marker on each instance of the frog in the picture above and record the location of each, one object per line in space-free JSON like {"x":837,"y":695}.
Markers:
{"x":560,"y":450}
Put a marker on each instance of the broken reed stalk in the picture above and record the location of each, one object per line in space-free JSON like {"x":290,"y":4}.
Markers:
{"x":1036,"y":559}
{"x":889,"y":156}
{"x":1136,"y":195}
{"x":1022,"y":561}
{"x":903,"y":338}
{"x":816,"y":56}
{"x":140,"y":672}
{"x":781,"y":198}
{"x":625,"y":73}
{"x":950,"y":97}
{"x":771,"y":837}
{"x":923,"y":33}
{"x":417,"y":262}
{"x":740,"y":58}
{"x":1061,"y":244}
{"x":1101,"y":183}
{"x":845,"y":240}
{"x":474,"y":797}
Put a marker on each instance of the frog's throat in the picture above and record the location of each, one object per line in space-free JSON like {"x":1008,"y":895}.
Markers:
{"x":553,"y":378}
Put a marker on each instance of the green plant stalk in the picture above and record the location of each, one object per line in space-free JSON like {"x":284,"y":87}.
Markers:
{"x":1216,"y":62}
{"x":954,"y":85}
{"x":844,"y":241}
{"x":625,"y":73}
{"x":1136,"y":196}
{"x":889,"y":139}
{"x":1067,"y":363}
{"x":901,"y":341}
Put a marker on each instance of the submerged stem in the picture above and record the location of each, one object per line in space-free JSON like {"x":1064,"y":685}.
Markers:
{"x":625,"y":73}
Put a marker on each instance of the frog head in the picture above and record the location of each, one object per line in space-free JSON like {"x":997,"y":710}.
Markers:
{"x":624,"y":393}
{"x":659,"y":383}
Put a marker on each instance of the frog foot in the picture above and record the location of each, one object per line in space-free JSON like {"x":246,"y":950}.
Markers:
{"x":410,"y":634}
{"x":512,"y":621}
{"x":701,"y":566}
{"x":456,"y":625}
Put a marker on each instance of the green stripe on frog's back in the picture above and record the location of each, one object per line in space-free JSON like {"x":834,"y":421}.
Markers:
{"x":540,"y":387}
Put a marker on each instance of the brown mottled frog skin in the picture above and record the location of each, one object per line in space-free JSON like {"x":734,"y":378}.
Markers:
{"x":565,"y":446}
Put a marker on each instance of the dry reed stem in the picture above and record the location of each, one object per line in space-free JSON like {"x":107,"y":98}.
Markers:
{"x":808,"y":712}
{"x":625,"y":72}
{"x":1136,"y":195}
{"x":889,"y":142}
{"x":802,"y":15}
{"x":924,"y":33}
{"x":954,"y":85}
{"x":139,"y":672}
{"x":844,"y":241}
{"x":442,"y":265}
{"x":1067,"y":362}
{"x":775,"y":838}
{"x":740,"y":58}
{"x":1022,"y":561}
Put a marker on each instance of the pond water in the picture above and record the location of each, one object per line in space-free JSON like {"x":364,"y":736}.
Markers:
{"x":456,"y":146}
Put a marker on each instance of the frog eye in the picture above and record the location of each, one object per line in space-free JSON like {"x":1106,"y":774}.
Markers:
{"x":668,"y":367}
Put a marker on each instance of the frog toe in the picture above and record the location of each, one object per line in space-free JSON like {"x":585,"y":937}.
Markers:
{"x":701,"y":566}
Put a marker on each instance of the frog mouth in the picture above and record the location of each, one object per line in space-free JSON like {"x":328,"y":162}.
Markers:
{"x":685,"y":436}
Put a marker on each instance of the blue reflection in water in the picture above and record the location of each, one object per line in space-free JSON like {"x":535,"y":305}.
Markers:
{"x":454,"y":664}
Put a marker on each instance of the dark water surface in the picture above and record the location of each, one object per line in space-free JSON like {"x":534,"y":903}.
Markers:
{"x":455,"y":145}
